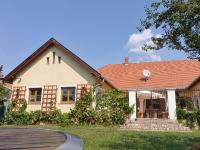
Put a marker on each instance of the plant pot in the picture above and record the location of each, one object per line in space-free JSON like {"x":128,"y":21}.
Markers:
{"x":165,"y":115}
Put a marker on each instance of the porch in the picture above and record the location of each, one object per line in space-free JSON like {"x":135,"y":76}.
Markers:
{"x":160,"y":104}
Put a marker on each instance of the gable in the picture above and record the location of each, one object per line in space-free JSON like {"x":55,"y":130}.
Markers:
{"x":50,"y":43}
{"x":67,"y":72}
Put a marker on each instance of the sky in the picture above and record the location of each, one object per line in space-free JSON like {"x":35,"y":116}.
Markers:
{"x":99,"y":31}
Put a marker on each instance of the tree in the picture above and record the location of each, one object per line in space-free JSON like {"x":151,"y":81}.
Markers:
{"x":1,"y":68}
{"x":4,"y":93}
{"x":179,"y":21}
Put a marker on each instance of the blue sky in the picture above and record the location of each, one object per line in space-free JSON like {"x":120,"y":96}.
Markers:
{"x":99,"y":31}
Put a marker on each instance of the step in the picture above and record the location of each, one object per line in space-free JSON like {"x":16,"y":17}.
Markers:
{"x":156,"y":125}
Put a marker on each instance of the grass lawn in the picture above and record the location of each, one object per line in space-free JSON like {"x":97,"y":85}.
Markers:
{"x":107,"y":138}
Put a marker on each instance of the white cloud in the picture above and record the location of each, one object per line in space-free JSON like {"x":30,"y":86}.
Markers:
{"x":137,"y":40}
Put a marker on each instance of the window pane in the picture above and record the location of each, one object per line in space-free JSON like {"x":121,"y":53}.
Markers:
{"x":68,"y":94}
{"x":35,"y":94}
{"x":64,"y":98}
{"x":72,"y":94}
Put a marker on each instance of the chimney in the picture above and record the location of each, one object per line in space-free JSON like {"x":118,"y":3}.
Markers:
{"x":126,"y":61}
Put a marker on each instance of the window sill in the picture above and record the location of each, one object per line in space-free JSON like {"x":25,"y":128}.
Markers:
{"x":67,"y":103}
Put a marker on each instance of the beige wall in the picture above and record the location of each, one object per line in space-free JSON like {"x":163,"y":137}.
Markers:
{"x":39,"y":73}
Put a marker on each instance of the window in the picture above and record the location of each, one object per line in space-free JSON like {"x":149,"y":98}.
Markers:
{"x":68,"y":94}
{"x":54,"y":56}
{"x":47,"y":60}
{"x":59,"y":59}
{"x":35,"y":94}
{"x":153,"y":103}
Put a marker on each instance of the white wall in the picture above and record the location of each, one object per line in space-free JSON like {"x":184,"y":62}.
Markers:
{"x":132,"y":101}
{"x":172,"y":104}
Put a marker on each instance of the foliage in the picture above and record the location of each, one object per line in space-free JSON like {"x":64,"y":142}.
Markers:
{"x":191,"y":118}
{"x":185,"y":102}
{"x":181,"y":114}
{"x":36,"y":117}
{"x":4,"y":93}
{"x":18,"y":118}
{"x":180,"y":22}
{"x":55,"y":117}
{"x":83,"y":113}
{"x":112,"y":107}
{"x":18,"y":104}
{"x":1,"y":69}
{"x":198,"y":117}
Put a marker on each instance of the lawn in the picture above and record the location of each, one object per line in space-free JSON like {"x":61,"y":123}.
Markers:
{"x":107,"y":138}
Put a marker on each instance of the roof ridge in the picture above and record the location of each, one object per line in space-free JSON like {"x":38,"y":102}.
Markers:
{"x":164,"y":61}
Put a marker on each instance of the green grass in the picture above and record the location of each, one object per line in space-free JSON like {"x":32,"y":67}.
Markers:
{"x":112,"y":138}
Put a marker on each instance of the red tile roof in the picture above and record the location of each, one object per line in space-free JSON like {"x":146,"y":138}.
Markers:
{"x":179,"y":74}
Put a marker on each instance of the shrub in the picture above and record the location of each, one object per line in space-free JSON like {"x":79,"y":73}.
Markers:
{"x":113,"y":107}
{"x":18,"y":118}
{"x":198,"y":117}
{"x":83,"y":113}
{"x":36,"y":116}
{"x":191,"y":118}
{"x":18,"y":105}
{"x":55,"y":117}
{"x":181,"y":114}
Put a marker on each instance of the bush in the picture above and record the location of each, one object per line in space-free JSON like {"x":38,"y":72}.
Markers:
{"x":83,"y":113}
{"x":36,"y":116}
{"x":18,"y":118}
{"x":113,"y":107}
{"x":181,"y":114}
{"x":198,"y":117}
{"x":191,"y":118}
{"x":55,"y":117}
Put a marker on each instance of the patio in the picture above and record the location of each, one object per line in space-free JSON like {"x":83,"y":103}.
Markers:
{"x":30,"y":139}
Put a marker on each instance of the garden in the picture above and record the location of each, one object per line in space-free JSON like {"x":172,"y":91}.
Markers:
{"x":99,"y":126}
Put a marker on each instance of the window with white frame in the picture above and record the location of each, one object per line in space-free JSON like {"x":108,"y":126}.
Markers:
{"x":35,"y":95}
{"x":68,"y":94}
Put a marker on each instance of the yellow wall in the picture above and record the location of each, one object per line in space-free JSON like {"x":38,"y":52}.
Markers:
{"x":39,"y":73}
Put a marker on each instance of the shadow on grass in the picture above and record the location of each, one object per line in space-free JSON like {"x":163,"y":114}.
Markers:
{"x":153,"y":141}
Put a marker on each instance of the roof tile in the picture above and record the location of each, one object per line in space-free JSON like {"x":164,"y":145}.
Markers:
{"x":164,"y":74}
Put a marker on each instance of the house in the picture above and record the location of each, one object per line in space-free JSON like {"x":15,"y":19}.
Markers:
{"x":52,"y":77}
{"x":55,"y":78}
{"x":154,"y":87}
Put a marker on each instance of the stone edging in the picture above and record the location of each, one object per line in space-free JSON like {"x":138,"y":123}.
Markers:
{"x":72,"y":143}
